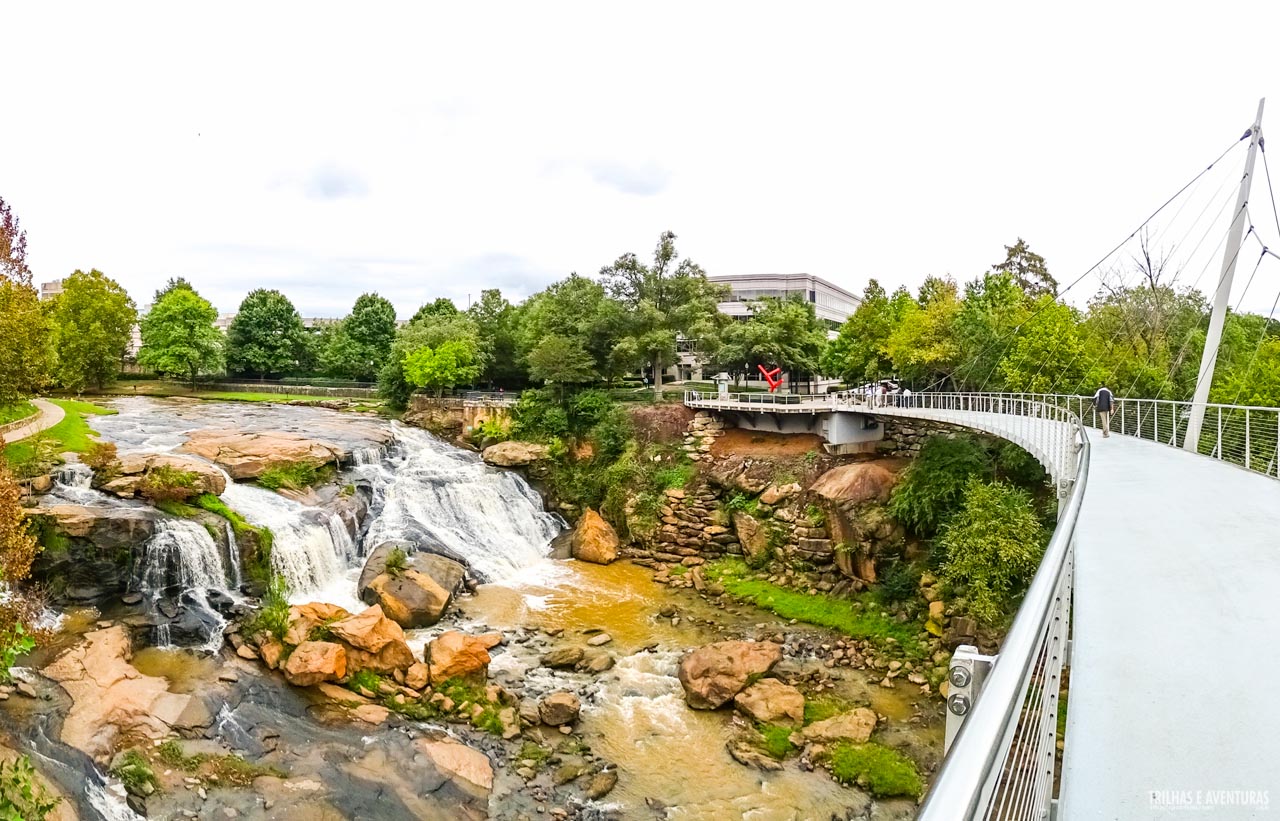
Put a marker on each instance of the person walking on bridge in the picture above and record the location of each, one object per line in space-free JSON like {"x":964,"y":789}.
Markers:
{"x":1103,"y":401}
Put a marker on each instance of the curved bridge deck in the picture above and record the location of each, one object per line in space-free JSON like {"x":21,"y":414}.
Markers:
{"x":1177,"y":601}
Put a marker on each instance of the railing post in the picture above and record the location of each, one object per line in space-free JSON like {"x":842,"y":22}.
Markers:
{"x":967,"y":675}
{"x":1247,"y":459}
{"x":1218,"y":445}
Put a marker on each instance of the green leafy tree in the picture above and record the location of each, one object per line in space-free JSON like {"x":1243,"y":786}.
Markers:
{"x":266,"y":336}
{"x":361,"y":344}
{"x":178,"y":336}
{"x":433,"y":332}
{"x":561,"y":360}
{"x":1048,"y":353}
{"x":781,"y":333}
{"x":93,"y":321}
{"x":932,"y":487}
{"x":664,"y":300}
{"x":922,"y":346}
{"x":174,"y":284}
{"x":578,"y":308}
{"x":992,"y":546}
{"x":1028,"y":270}
{"x":25,"y":360}
{"x":985,"y":326}
{"x":860,"y":350}
{"x":448,"y":364}
{"x":497,"y":323}
{"x":442,"y":306}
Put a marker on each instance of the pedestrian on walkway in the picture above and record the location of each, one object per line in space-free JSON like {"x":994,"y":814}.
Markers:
{"x":1103,"y":401}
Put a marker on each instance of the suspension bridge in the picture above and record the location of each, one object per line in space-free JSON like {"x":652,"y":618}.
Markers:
{"x":1154,"y":607}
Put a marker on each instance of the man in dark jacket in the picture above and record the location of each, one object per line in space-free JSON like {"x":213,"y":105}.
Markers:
{"x":1103,"y":402}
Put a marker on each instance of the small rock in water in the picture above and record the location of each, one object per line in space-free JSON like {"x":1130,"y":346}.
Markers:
{"x":229,"y":677}
{"x":132,"y":598}
{"x":596,"y":641}
{"x":27,"y":690}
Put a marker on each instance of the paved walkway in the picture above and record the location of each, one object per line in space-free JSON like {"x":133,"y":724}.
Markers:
{"x":1175,"y":659}
{"x":50,"y":415}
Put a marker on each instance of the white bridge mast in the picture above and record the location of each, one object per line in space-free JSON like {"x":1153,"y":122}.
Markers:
{"x":1229,"y":255}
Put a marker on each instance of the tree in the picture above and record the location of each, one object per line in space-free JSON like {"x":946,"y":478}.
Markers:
{"x":266,"y":336}
{"x":360,"y":346}
{"x":25,"y":359}
{"x":859,"y":352}
{"x":178,"y":336}
{"x":991,"y":315}
{"x":561,"y":360}
{"x":1028,"y":269}
{"x":93,"y":321}
{"x":450,"y":363}
{"x":13,"y":248}
{"x":442,"y":306}
{"x":923,"y":347}
{"x":1048,"y":355}
{"x":496,"y":322}
{"x":431,"y":332}
{"x":782,"y":333}
{"x":665,"y":300}
{"x":174,"y":284}
{"x":578,"y":308}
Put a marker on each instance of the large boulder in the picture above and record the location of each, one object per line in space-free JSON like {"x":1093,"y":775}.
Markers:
{"x":246,"y":454}
{"x":856,"y":727}
{"x":313,"y":662}
{"x":133,"y":467}
{"x":373,"y":642}
{"x":416,"y":596}
{"x":97,"y":559}
{"x":108,"y":528}
{"x":468,"y":768}
{"x":712,"y":675}
{"x":453,"y":654}
{"x":594,"y":539}
{"x":772,"y":702}
{"x":514,"y":454}
{"x":857,"y":483}
{"x":303,"y":618}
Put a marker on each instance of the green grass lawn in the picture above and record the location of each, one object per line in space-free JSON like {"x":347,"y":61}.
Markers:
{"x":158,"y":388}
{"x":71,"y":434}
{"x":16,"y":411}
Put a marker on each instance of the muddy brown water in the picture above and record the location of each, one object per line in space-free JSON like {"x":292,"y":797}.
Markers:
{"x":672,"y":760}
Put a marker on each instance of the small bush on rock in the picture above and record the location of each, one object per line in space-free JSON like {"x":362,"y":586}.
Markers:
{"x":22,"y":795}
{"x":273,"y":616}
{"x":165,"y":483}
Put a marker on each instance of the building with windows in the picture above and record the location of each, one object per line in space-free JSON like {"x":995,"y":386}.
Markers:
{"x":48,"y":290}
{"x":832,"y":304}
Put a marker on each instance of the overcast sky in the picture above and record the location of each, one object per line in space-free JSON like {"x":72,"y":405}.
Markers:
{"x":423,"y":150}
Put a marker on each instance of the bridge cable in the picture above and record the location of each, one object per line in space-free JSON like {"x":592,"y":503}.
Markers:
{"x":1097,"y":264}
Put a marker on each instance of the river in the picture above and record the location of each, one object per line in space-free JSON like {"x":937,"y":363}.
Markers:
{"x":672,"y":760}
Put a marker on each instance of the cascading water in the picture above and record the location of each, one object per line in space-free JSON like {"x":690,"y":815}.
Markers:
{"x":182,"y":561}
{"x":439,"y":496}
{"x":304,"y":550}
{"x":75,"y":475}
{"x":233,"y":555}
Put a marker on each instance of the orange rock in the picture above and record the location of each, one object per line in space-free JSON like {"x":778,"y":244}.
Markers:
{"x":457,"y":655}
{"x":315,"y":661}
{"x":594,"y":539}
{"x":714,"y":674}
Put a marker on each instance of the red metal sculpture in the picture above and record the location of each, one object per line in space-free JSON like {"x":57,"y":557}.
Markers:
{"x":772,"y":377}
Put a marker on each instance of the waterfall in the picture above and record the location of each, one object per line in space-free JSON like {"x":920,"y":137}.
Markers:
{"x":76,"y":474}
{"x":181,"y":560}
{"x":440,"y":496}
{"x":304,"y":550}
{"x":181,"y":554}
{"x":233,"y":555}
{"x":367,"y":456}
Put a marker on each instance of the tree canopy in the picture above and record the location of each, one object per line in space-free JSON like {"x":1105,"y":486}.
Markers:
{"x":664,"y":300}
{"x":178,"y":336}
{"x":359,"y":346}
{"x":782,"y":333}
{"x":266,"y":336}
{"x":93,"y":321}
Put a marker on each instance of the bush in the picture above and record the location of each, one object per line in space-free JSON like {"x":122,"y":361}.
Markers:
{"x":884,"y":772}
{"x":293,"y":476}
{"x":397,"y":562}
{"x":165,"y":483}
{"x":897,"y":582}
{"x":366,"y":680}
{"x":103,"y":459}
{"x":933,"y":486}
{"x":135,"y":771}
{"x":993,"y":547}
{"x":14,"y":642}
{"x":34,"y":457}
{"x":22,"y":795}
{"x":273,"y":616}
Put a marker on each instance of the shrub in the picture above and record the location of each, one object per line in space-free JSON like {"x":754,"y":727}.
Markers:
{"x":102,"y":458}
{"x":273,"y":616}
{"x":674,"y":477}
{"x":933,"y":486}
{"x":135,"y":771}
{"x":397,"y":562}
{"x":491,"y":431}
{"x":897,"y":582}
{"x":293,"y":476}
{"x":34,"y":457}
{"x":165,"y":483}
{"x":739,"y":501}
{"x":22,"y":795}
{"x":884,"y":772}
{"x":364,"y":680}
{"x":14,"y":642}
{"x":993,"y":546}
